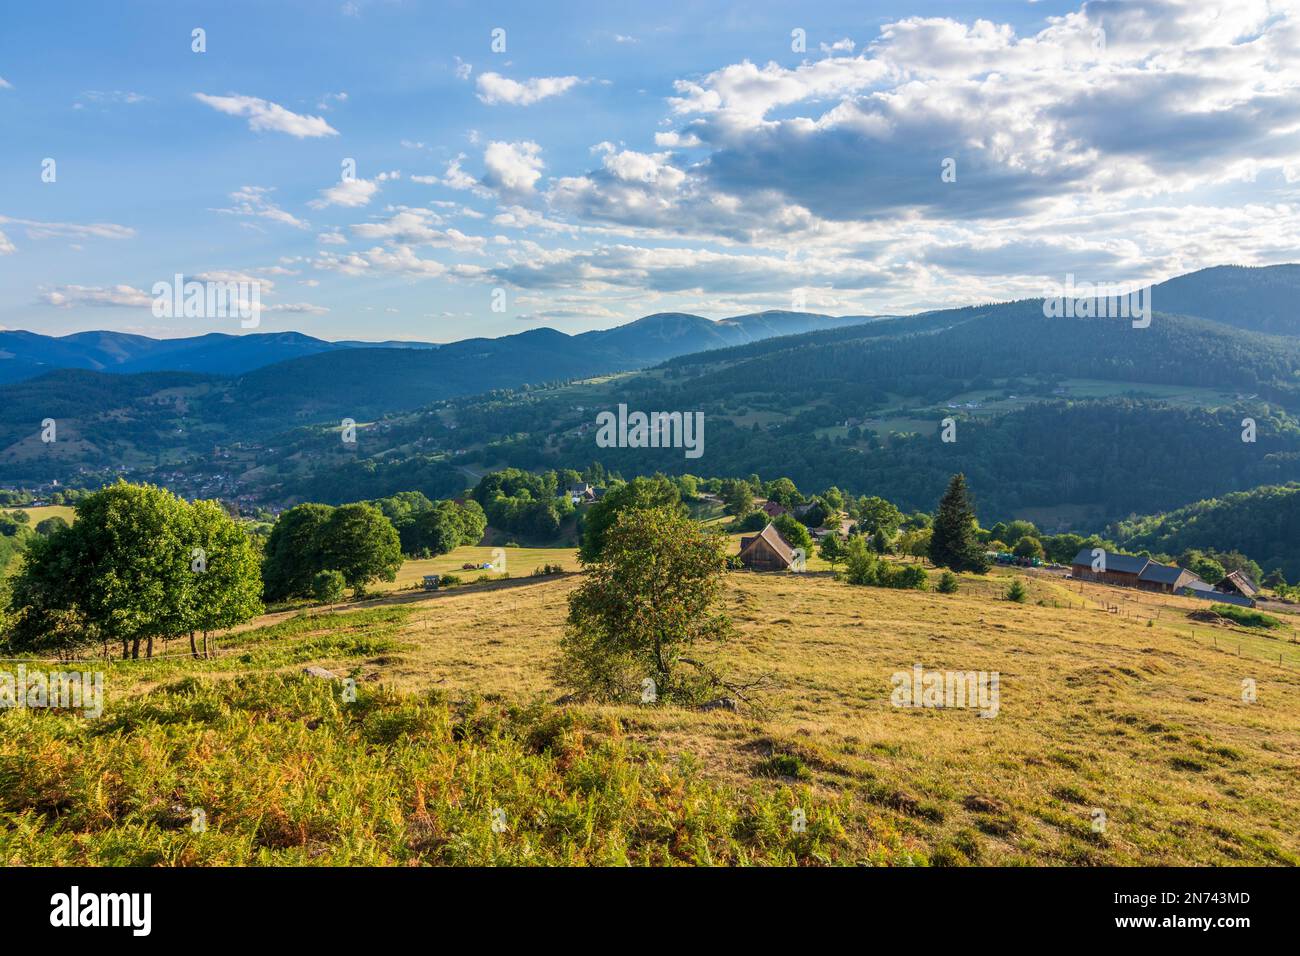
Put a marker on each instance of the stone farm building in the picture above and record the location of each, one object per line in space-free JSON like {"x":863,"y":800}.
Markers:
{"x":1135,"y":571}
{"x":766,"y":551}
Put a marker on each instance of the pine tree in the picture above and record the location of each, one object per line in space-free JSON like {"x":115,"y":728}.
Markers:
{"x":953,"y":543}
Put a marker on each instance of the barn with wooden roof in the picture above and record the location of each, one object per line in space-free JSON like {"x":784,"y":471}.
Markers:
{"x":766,"y":551}
{"x":1130,"y":571}
{"x":1135,"y":571}
{"x":1238,"y":582}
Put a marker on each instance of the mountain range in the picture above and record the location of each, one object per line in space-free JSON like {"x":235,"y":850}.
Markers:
{"x":1111,"y":417}
{"x":25,"y":355}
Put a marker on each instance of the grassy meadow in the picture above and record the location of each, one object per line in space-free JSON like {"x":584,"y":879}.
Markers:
{"x":38,"y":515}
{"x":519,"y":562}
{"x":1137,"y":713}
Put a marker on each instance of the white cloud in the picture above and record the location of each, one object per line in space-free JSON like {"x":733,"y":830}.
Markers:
{"x":5,"y":84}
{"x":117,"y":296}
{"x":71,"y":230}
{"x":495,"y":89}
{"x":109,"y":96}
{"x":254,"y":202}
{"x":6,"y":247}
{"x":512,"y":169}
{"x":296,"y":308}
{"x":463,"y":69}
{"x":457,"y":178}
{"x":414,"y":226}
{"x":352,"y":192}
{"x":265,"y":115}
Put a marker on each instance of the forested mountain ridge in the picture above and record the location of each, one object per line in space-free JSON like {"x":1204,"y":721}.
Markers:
{"x":1262,"y":522}
{"x":1082,"y":421}
{"x":25,"y":355}
{"x":1260,"y":298}
{"x":942,"y":354}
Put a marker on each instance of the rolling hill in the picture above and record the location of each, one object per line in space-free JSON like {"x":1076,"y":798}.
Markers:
{"x":648,"y":340}
{"x":25,"y":355}
{"x":1263,"y":523}
{"x":1080,"y":421}
{"x":1262,"y":299}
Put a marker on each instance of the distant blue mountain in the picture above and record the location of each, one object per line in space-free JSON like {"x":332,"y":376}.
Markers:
{"x":652,"y":339}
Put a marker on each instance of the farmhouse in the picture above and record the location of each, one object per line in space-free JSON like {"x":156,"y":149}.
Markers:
{"x":1130,"y":571}
{"x":1134,"y":571}
{"x":772,"y":509}
{"x":766,"y":551}
{"x":580,"y":493}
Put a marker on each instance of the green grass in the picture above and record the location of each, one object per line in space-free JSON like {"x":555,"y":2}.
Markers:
{"x":1246,"y":617}
{"x":286,"y":773}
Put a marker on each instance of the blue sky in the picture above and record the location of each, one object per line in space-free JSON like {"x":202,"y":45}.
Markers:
{"x":614,"y":162}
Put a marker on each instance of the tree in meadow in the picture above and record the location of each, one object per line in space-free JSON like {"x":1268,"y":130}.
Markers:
{"x":225,"y":584}
{"x":953,"y":542}
{"x":653,"y":594}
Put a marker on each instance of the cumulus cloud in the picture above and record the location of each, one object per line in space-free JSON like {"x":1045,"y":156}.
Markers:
{"x":6,"y":247}
{"x":1120,"y":99}
{"x":413,"y":226}
{"x":401,"y":260}
{"x":352,"y":192}
{"x":495,"y":89}
{"x":265,"y":115}
{"x":512,"y":169}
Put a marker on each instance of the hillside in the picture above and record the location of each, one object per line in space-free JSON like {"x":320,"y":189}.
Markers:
{"x":1097,"y":711}
{"x":1263,"y":522}
{"x":1262,"y":299}
{"x":856,"y":403}
{"x":126,"y":421}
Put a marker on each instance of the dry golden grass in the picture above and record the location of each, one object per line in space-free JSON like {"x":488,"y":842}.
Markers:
{"x":519,"y":562}
{"x":1098,"y":710}
{"x":39,"y":514}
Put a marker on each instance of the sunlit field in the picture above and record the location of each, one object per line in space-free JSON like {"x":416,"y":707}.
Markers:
{"x":1137,"y":715}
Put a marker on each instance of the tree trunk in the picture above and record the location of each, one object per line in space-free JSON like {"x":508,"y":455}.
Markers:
{"x":148,"y":647}
{"x":125,"y":649}
{"x":135,"y":648}
{"x":194,"y":651}
{"x":205,"y":644}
